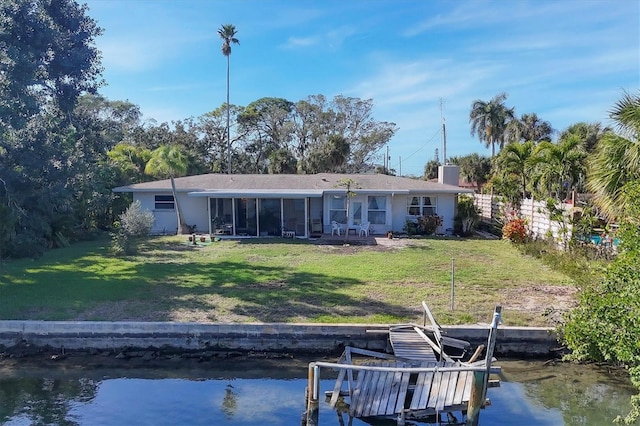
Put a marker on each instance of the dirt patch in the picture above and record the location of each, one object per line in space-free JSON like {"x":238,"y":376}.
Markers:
{"x":541,"y":299}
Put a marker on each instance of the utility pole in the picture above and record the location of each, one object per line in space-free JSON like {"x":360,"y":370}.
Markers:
{"x":444,"y":134}
{"x":387,"y":158}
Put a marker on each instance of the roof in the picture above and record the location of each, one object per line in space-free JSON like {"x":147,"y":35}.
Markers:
{"x":290,"y":184}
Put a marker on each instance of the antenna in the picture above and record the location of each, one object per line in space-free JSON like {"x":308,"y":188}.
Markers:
{"x":444,"y":134}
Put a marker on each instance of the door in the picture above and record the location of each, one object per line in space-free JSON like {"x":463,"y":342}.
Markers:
{"x":355,"y":213}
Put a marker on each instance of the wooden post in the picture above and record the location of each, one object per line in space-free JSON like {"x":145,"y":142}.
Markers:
{"x":475,"y":400}
{"x":481,"y":378}
{"x":312,"y":395}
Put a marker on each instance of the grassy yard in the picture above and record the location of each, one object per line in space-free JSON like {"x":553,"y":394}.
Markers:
{"x":283,"y":281}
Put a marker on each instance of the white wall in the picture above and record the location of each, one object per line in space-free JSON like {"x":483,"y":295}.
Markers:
{"x":194,"y":210}
{"x":445,"y":207}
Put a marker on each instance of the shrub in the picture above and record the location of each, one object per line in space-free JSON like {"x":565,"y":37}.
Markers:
{"x":134,"y":223}
{"x":425,"y":225}
{"x":515,"y":231}
{"x":606,"y":326}
{"x":467,"y":217}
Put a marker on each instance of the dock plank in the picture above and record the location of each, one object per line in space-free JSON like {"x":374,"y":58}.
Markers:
{"x":388,"y":387}
{"x":460,"y":386}
{"x":451,"y":388}
{"x":394,"y":390}
{"x":406,"y":343}
{"x":336,"y":388}
{"x":376,"y":393}
{"x":402,"y":392}
{"x":369,"y":388}
{"x":467,"y":387}
{"x":435,"y":385}
{"x":442,"y":390}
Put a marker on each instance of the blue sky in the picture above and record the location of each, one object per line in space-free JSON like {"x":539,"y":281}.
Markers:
{"x":567,"y":61}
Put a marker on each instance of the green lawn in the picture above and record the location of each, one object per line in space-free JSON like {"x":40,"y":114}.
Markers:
{"x":283,"y":281}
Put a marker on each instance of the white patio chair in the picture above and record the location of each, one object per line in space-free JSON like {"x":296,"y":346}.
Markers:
{"x":364,"y":228}
{"x":335,"y":227}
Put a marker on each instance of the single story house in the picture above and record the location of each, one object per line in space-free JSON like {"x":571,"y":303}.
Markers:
{"x":300,"y":205}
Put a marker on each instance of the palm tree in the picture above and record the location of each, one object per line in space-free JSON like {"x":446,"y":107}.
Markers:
{"x":617,"y":158}
{"x":169,"y":161}
{"x":489,"y":120}
{"x":517,"y":159}
{"x":560,"y":166}
{"x":529,"y":128}
{"x":589,"y":133}
{"x":228,"y":35}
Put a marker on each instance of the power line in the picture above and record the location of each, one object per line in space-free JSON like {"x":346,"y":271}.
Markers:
{"x":419,"y":149}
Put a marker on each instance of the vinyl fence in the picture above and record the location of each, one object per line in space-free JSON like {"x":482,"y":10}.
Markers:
{"x":538,"y":218}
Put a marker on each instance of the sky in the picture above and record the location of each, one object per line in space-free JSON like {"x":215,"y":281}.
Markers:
{"x":419,"y":61}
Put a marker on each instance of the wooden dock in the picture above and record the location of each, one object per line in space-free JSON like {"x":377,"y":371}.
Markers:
{"x":418,"y":381}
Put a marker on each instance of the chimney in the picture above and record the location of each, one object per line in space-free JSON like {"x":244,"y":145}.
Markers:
{"x":449,"y":174}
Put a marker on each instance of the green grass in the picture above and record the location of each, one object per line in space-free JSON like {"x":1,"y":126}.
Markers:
{"x":279,"y":281}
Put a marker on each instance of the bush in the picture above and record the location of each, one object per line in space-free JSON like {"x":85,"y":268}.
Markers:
{"x":515,"y":231}
{"x":467,"y":217}
{"x":134,"y":223}
{"x":606,"y":324}
{"x":425,"y":225}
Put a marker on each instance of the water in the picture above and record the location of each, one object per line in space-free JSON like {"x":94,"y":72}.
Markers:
{"x":271,"y":392}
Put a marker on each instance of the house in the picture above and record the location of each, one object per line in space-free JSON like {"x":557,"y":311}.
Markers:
{"x":300,"y":205}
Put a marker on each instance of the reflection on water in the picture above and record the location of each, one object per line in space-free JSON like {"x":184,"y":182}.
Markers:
{"x":267,"y":392}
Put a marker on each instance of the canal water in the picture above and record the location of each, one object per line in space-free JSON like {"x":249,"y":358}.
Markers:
{"x":271,"y":392}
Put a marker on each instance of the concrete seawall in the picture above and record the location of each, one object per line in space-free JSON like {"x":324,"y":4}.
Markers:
{"x":273,"y":337}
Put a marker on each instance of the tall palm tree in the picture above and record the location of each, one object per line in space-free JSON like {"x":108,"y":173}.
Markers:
{"x":169,"y":161}
{"x":228,"y":35}
{"x":617,"y":158}
{"x":489,"y":120}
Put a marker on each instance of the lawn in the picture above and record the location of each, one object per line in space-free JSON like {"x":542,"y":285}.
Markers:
{"x":278,"y":280}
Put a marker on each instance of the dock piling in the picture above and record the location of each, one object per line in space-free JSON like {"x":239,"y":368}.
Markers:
{"x":313,"y":390}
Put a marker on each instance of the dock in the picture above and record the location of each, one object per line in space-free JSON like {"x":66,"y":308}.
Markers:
{"x":418,"y":381}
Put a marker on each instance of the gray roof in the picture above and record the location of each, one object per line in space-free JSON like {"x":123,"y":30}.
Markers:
{"x":313,"y":183}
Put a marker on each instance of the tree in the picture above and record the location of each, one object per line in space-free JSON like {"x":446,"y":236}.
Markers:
{"x":354,"y":122}
{"x":489,"y":120}
{"x":588,"y":133}
{"x":617,"y":158}
{"x":52,"y":68}
{"x":559,"y":166}
{"x":517,"y":160}
{"x":169,"y":161}
{"x":474,"y":168}
{"x":228,"y":35}
{"x":47,"y":59}
{"x":349,"y":185}
{"x":528,"y":128}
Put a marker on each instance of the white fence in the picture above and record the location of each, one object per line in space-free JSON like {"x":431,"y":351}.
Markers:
{"x":536,"y":214}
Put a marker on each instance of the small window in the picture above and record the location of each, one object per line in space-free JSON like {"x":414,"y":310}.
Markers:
{"x":421,"y":206}
{"x":164,"y":202}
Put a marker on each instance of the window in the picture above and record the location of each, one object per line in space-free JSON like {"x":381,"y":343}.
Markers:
{"x":338,"y":209}
{"x":377,"y":210}
{"x":421,"y":206}
{"x":164,"y":202}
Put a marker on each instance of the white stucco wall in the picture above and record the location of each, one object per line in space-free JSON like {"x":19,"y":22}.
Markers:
{"x":445,"y":207}
{"x":194,"y":210}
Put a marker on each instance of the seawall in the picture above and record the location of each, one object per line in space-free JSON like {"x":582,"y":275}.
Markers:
{"x":523,"y":342}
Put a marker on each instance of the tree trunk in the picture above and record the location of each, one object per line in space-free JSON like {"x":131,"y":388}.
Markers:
{"x":182,"y":227}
